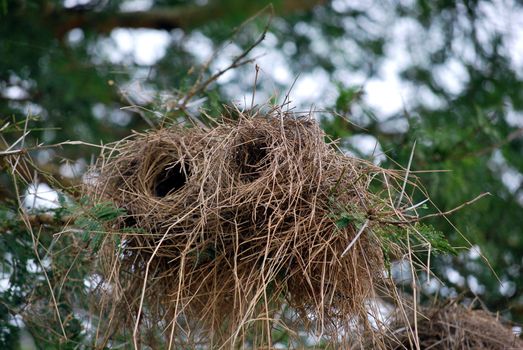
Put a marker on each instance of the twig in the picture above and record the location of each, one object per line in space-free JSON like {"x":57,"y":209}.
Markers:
{"x":48,"y":219}
{"x":458,"y":207}
{"x":237,"y":62}
{"x":437,"y":214}
{"x":355,"y":238}
{"x":257,"y":68}
{"x":407,"y":173}
{"x":24,"y":216}
{"x":414,"y":292}
{"x":24,"y":150}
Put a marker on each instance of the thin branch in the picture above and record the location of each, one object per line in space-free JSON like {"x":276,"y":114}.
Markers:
{"x":451,"y":211}
{"x":456,"y":208}
{"x":407,"y":173}
{"x":355,"y":238}
{"x":24,"y":150}
{"x":239,"y":61}
{"x":167,"y":18}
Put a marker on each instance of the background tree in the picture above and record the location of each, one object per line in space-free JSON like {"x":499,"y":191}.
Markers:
{"x":443,"y":74}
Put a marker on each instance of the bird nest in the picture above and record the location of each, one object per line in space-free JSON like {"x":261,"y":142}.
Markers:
{"x":233,"y":232}
{"x":451,"y":327}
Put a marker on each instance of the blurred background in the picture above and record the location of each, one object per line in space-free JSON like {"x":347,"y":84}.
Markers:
{"x":381,"y":76}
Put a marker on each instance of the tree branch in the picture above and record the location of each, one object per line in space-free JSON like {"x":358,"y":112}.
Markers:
{"x":184,"y":17}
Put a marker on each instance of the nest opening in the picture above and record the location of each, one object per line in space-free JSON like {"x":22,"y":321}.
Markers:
{"x":171,"y":179}
{"x":252,"y":158}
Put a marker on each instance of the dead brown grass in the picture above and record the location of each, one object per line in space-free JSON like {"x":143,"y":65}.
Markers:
{"x":228,"y":226}
{"x":454,"y":327}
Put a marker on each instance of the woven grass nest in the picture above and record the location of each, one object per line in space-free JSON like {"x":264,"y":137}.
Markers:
{"x":228,"y":227}
{"x":452,"y":327}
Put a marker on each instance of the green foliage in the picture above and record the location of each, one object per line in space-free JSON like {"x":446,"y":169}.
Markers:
{"x":436,"y":239}
{"x":347,"y":96}
{"x":30,"y":275}
{"x":395,"y":238}
{"x":94,"y":220}
{"x":347,"y":217}
{"x":31,"y":271}
{"x":13,"y":262}
{"x":73,"y":90}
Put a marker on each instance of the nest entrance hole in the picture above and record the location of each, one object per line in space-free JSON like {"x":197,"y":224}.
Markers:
{"x":171,"y":179}
{"x":251,"y":158}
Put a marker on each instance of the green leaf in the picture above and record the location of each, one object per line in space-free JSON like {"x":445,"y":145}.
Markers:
{"x":344,"y":221}
{"x":437,"y":240}
{"x":106,"y":211}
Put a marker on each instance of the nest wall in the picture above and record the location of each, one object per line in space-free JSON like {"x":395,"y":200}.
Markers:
{"x":452,"y":327}
{"x":227,"y":227}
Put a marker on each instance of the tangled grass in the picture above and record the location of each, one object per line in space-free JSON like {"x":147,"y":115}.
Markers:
{"x":452,"y":327}
{"x":234,"y":232}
